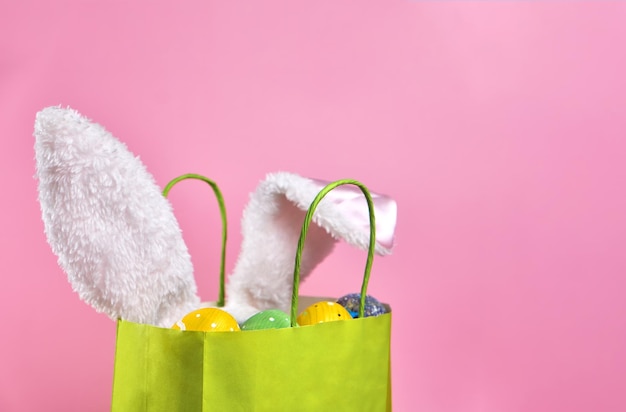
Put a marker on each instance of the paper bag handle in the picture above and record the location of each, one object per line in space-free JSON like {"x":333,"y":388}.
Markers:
{"x":220,"y":201}
{"x":305,"y":227}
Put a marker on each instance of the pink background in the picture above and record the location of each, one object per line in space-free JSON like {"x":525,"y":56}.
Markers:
{"x":499,"y":127}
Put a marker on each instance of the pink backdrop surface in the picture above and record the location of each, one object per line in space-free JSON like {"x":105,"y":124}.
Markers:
{"x":499,"y":128}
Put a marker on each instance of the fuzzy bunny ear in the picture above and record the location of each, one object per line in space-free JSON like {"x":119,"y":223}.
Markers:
{"x":263,"y":276}
{"x":114,"y":233}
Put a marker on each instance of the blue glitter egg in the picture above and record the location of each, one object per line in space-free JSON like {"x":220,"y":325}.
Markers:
{"x":352,"y":301}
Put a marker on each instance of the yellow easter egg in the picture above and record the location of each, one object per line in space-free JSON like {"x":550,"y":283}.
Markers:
{"x":208,"y":320}
{"x":323,"y":312}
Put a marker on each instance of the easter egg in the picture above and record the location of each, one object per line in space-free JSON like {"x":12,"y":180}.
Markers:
{"x":267,"y":319}
{"x":208,"y":320}
{"x":352,"y":302}
{"x":323,"y":312}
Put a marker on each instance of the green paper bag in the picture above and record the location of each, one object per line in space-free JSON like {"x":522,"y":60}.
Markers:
{"x":343,"y":365}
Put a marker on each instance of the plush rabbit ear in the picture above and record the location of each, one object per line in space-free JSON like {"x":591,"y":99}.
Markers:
{"x":114,"y":233}
{"x":272,"y":220}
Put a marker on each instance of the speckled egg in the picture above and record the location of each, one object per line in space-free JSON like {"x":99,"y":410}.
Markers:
{"x":352,"y":301}
{"x":267,"y":319}
{"x":208,"y":320}
{"x":323,"y":312}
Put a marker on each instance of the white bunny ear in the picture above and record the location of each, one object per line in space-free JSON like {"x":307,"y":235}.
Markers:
{"x":114,"y":233}
{"x":263,"y":276}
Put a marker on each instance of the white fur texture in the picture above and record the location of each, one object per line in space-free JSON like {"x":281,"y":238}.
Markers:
{"x":117,"y":239}
{"x":272,"y":220}
{"x":114,"y":233}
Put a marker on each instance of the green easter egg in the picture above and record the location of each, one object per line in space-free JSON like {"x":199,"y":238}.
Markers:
{"x":267,"y":319}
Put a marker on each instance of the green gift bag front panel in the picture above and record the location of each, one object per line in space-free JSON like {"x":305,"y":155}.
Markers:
{"x":332,"y":366}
